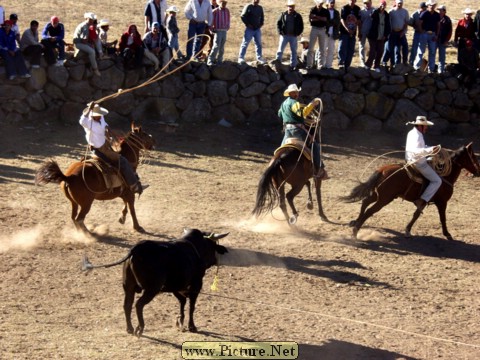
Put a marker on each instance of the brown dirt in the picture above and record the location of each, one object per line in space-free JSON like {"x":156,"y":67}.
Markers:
{"x":379,"y":297}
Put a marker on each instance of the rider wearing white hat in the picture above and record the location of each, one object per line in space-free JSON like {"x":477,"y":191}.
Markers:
{"x":293,"y":115}
{"x":416,"y":153}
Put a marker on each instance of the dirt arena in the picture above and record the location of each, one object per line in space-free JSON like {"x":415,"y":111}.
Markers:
{"x":382,"y":296}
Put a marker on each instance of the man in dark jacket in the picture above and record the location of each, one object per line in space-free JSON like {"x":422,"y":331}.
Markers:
{"x":289,"y":26}
{"x":377,"y":36}
{"x":252,"y":17}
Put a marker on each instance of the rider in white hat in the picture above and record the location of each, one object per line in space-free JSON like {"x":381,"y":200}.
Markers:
{"x":416,"y":153}
{"x":293,"y":115}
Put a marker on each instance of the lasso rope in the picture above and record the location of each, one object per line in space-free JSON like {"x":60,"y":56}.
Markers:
{"x":341,"y":318}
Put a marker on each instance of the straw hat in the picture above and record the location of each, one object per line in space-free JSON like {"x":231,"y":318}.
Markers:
{"x":303,"y":39}
{"x":291,"y":88}
{"x":420,"y":120}
{"x":290,"y":2}
{"x":96,"y":111}
{"x":104,"y":22}
{"x":172,"y":9}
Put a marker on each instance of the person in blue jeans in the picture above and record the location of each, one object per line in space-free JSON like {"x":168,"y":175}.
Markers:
{"x":289,"y":27}
{"x":429,"y":25}
{"x":11,"y":54}
{"x":349,"y":27}
{"x":199,"y":16}
{"x":253,"y":18}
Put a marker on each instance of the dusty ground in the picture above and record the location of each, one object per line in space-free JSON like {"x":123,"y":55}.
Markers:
{"x":379,"y":297}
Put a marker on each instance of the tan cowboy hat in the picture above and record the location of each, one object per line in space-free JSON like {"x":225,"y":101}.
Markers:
{"x":304,"y":40}
{"x":420,"y":120}
{"x":290,"y":2}
{"x":172,"y":9}
{"x":468,"y":11}
{"x":291,"y":88}
{"x":96,"y":111}
{"x":104,"y":22}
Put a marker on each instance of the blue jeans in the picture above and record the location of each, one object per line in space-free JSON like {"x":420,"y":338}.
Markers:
{"x":250,"y":34}
{"x":442,"y":55}
{"x":14,"y":65}
{"x":284,"y":40}
{"x":426,"y":40}
{"x":413,"y":52}
{"x":194,"y":29}
{"x":346,"y":49}
{"x":301,"y":134}
{"x":216,"y":55}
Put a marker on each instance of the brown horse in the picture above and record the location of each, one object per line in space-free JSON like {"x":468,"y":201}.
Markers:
{"x":83,"y":182}
{"x":392,"y":181}
{"x":295,"y":169}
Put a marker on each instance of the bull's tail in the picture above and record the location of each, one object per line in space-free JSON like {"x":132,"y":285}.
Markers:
{"x":87,"y":265}
{"x":267,"y":195}
{"x":364,"y":189}
{"x":49,"y":172}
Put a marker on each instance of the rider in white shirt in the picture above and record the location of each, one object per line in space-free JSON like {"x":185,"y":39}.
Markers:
{"x":416,"y":153}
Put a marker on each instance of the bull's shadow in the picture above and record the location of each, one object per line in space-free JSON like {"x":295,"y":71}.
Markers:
{"x":325,"y":269}
{"x":334,"y":349}
{"x":430,"y":246}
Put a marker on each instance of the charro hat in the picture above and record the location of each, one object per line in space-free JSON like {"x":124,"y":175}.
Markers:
{"x":420,"y":120}
{"x":291,"y":88}
{"x":96,"y":111}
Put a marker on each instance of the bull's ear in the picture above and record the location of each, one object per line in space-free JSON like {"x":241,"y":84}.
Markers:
{"x":216,"y":237}
{"x":221,"y":249}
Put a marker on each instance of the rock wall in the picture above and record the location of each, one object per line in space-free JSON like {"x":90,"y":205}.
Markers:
{"x":358,"y":99}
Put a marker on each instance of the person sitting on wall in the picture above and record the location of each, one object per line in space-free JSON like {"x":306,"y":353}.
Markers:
{"x":52,"y":38}
{"x":30,"y":46}
{"x":131,"y":47}
{"x":11,"y":54}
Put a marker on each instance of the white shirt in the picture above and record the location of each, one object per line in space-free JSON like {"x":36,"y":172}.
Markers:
{"x":199,"y":13}
{"x":415,"y":150}
{"x":94,"y":131}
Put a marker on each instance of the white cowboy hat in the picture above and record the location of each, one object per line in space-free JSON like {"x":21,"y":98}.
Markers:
{"x":96,"y":111}
{"x":104,"y":22}
{"x":318,"y":2}
{"x":89,"y":15}
{"x":291,"y":88}
{"x":172,"y":9}
{"x":431,"y":3}
{"x":290,"y":2}
{"x":420,"y":120}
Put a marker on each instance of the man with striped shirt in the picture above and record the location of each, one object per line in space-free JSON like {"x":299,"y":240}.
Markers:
{"x":220,"y":26}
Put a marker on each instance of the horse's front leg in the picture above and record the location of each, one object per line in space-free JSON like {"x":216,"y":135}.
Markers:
{"x":131,"y":205}
{"x":122,"y":218}
{"x":442,"y":212}
{"x":318,"y":190}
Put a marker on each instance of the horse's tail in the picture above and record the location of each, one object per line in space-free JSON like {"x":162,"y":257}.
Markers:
{"x":49,"y":172}
{"x":363,"y":189}
{"x":88,"y":266}
{"x":267,"y":196}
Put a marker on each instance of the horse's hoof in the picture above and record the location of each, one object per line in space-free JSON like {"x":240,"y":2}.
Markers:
{"x":130,"y":330}
{"x":292,"y":220}
{"x":324,"y":219}
{"x":352,"y":223}
{"x":192,"y":328}
{"x":309,"y":205}
{"x":140,"y":229}
{"x":121,"y":220}
{"x":139,"y":331}
{"x":449,"y":237}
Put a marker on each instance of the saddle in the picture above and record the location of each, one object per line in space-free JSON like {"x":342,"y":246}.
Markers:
{"x":294,"y":143}
{"x":111,"y":175}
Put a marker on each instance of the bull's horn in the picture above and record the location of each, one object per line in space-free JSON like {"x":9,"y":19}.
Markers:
{"x":216,"y":237}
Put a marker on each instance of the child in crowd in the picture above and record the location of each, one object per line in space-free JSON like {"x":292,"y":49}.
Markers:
{"x":173,"y":30}
{"x":108,"y":47}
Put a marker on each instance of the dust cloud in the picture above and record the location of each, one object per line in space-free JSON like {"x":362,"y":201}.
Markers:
{"x":22,"y":240}
{"x":70,"y":235}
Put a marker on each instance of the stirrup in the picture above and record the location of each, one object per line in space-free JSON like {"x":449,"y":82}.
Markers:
{"x":321,"y":175}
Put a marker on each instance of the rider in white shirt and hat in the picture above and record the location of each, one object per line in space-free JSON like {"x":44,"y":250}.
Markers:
{"x":416,"y":153}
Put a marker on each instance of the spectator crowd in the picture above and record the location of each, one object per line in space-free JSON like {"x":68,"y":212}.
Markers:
{"x":379,"y":29}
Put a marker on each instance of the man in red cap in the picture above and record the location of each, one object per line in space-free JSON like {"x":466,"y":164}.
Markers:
{"x":11,"y":54}
{"x":52,"y":38}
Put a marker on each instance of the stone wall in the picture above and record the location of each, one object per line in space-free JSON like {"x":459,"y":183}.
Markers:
{"x":358,"y":99}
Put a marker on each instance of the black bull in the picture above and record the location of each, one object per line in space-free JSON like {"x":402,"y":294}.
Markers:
{"x":157,"y":266}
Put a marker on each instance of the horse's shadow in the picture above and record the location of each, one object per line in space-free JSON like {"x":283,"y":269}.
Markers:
{"x":430,"y":246}
{"x":123,"y":242}
{"x":325,"y":269}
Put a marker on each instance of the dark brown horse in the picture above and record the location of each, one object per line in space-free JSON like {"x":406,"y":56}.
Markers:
{"x":392,"y":181}
{"x":83,"y":182}
{"x":288,"y":167}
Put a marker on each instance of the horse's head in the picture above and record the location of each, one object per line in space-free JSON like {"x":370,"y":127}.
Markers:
{"x":144,"y":140}
{"x":467,"y":160}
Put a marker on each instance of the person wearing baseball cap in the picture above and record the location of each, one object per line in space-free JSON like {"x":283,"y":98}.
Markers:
{"x":53,"y":34}
{"x":444,"y":36}
{"x":11,"y":54}
{"x":414,"y":22}
{"x":429,"y":22}
{"x":416,"y":153}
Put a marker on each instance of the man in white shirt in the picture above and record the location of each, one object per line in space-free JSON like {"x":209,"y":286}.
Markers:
{"x":199,"y":14}
{"x":96,"y":129}
{"x":416,"y":153}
